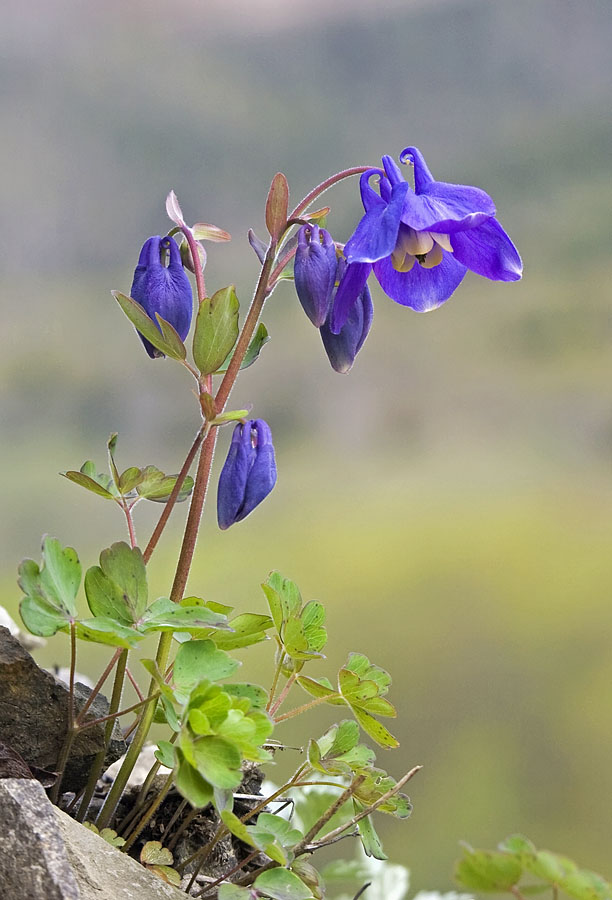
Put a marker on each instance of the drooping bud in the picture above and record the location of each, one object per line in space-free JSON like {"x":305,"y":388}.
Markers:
{"x":163,"y":289}
{"x":249,"y":472}
{"x":342,"y":348}
{"x":315,"y":271}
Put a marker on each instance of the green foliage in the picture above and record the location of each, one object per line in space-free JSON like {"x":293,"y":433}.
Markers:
{"x":133,"y":484}
{"x":166,"y":340}
{"x":301,"y":634}
{"x":216,"y":330}
{"x":361,"y":686}
{"x":503,"y":870}
{"x":107,"y":834}
{"x":282,"y":884}
{"x":117,"y":588}
{"x":258,"y":341}
{"x":158,"y":860}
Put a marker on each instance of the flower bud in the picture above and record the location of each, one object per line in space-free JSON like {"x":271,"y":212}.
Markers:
{"x":342,"y":348}
{"x":163,"y":289}
{"x":249,"y":472}
{"x":315,"y":271}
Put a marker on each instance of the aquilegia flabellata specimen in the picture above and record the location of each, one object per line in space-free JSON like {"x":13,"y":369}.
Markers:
{"x":163,"y":289}
{"x":249,"y":472}
{"x":421,"y":242}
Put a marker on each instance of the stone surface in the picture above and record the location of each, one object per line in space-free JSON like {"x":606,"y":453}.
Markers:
{"x":34,"y":713}
{"x":34,"y":864}
{"x":104,"y":873}
{"x":46,"y":855}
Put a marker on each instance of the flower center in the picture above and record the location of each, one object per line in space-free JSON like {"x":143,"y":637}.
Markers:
{"x":424,"y":247}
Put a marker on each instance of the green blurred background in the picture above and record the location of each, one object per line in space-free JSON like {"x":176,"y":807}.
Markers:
{"x":449,"y":501}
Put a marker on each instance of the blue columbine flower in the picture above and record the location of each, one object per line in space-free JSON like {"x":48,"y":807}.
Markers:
{"x":163,"y":289}
{"x":249,"y":472}
{"x":342,"y":348}
{"x":421,"y":242}
{"x":315,"y":271}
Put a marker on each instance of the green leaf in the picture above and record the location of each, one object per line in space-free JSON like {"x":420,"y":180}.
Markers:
{"x":172,"y":338}
{"x":216,"y":330}
{"x":153,"y":854}
{"x":157,"y":487}
{"x":277,"y":206}
{"x":164,"y":615}
{"x":377,"y":783}
{"x":320,"y":687}
{"x":256,"y":695}
{"x":247,"y":629}
{"x":282,"y":884}
{"x":218,"y":761}
{"x":118,"y":587}
{"x":51,"y":589}
{"x":101,"y":630}
{"x":234,"y":415}
{"x":129,"y":479}
{"x":486,"y":870}
{"x":145,"y":325}
{"x":258,"y":341}
{"x":229,"y":891}
{"x":199,"y":660}
{"x":89,"y":484}
{"x":371,"y":842}
{"x":192,"y":786}
{"x":165,"y":754}
{"x":236,"y":827}
{"x":167,"y":874}
{"x":585,"y":885}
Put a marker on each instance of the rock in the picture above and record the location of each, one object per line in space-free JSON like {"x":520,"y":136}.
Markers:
{"x":33,"y":864}
{"x":34,"y":713}
{"x":46,"y":855}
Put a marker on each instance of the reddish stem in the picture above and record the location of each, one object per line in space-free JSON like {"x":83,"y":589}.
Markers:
{"x":329,"y":182}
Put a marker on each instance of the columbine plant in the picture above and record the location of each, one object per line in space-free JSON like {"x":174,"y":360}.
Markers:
{"x":419,"y":243}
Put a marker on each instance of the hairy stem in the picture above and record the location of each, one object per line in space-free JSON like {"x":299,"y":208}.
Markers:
{"x":98,"y":763}
{"x":169,"y":506}
{"x":283,"y":694}
{"x":70,"y":729}
{"x":325,"y":185}
{"x":149,"y":813}
{"x":300,"y":709}
{"x":98,"y":687}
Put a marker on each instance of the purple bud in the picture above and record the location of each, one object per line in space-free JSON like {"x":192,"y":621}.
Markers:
{"x":315,"y":271}
{"x":249,"y":472}
{"x":163,"y":289}
{"x":342,"y":348}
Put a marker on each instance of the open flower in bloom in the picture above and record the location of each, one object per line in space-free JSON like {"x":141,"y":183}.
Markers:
{"x":315,"y":271}
{"x":249,"y":472}
{"x":163,"y":289}
{"x":421,"y":242}
{"x":342,"y":348}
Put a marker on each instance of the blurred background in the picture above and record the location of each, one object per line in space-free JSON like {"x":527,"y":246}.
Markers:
{"x":449,"y":500}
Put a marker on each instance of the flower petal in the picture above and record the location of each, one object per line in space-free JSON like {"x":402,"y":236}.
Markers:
{"x":262,"y":476}
{"x":350,"y":287}
{"x":376,"y":234}
{"x":421,"y":289}
{"x":369,"y":197}
{"x":342,"y":348}
{"x":487,"y":250}
{"x":234,"y":475}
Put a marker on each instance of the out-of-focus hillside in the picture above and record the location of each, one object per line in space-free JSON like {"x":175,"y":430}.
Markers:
{"x":459,"y":478}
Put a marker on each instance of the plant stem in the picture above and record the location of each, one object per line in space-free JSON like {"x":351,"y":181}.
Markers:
{"x":321,"y":188}
{"x":130,"y":523}
{"x":329,"y":813}
{"x":182,"y":827}
{"x":114,"y":795}
{"x":195,"y":258}
{"x":366,"y":812}
{"x":121,"y":712}
{"x":168,"y":507}
{"x":300,"y":709}
{"x":283,"y":694}
{"x":98,"y":763}
{"x":70,"y":730}
{"x":244,"y":862}
{"x":149,"y":813}
{"x":175,"y":817}
{"x":98,"y":686}
{"x":274,"y":685}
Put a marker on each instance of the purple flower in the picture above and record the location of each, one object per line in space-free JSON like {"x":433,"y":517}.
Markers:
{"x":342,"y":348}
{"x":249,"y":472}
{"x":315,"y":271}
{"x":421,"y":242}
{"x":163,"y":289}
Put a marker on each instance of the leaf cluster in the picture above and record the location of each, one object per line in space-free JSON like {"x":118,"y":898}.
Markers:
{"x":217,"y":726}
{"x":131,"y":485}
{"x":518,"y":867}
